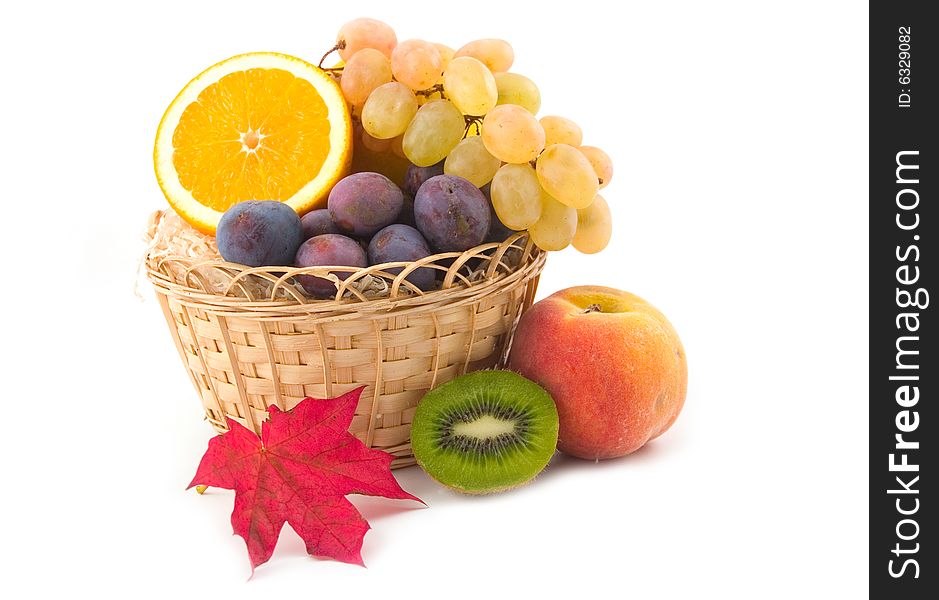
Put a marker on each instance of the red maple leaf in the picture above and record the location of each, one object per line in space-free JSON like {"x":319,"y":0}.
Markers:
{"x":299,"y":472}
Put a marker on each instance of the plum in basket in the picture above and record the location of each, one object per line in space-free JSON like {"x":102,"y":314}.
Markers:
{"x":363,"y":203}
{"x":259,"y":233}
{"x":400,"y":243}
{"x":329,"y":249}
{"x":452,"y":213}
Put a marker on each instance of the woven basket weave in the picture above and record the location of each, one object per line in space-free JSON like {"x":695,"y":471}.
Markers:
{"x":249,"y":338}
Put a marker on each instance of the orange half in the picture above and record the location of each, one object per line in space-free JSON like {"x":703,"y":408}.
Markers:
{"x":260,"y":126}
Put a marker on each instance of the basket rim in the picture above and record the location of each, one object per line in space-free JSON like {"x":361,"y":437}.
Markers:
{"x":398,"y":293}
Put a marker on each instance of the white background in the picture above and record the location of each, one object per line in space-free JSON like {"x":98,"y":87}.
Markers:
{"x":739,"y":135}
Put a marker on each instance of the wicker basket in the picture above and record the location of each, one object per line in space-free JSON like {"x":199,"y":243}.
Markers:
{"x":249,"y":338}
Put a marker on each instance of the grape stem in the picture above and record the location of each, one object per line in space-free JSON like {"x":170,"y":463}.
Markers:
{"x":438,"y":88}
{"x":340,"y":45}
{"x":472,"y":120}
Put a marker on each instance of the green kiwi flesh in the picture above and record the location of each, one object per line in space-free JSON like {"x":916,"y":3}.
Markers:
{"x":485,"y":432}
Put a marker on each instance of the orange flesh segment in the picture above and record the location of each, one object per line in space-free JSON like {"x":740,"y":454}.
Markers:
{"x":260,"y":134}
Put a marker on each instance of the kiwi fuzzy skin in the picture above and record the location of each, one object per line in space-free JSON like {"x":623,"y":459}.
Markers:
{"x":487,"y":492}
{"x":496,"y":391}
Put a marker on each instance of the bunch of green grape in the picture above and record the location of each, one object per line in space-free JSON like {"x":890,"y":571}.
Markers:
{"x":430,"y":104}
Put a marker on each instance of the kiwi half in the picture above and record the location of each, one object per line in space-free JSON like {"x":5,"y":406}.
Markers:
{"x":485,"y":432}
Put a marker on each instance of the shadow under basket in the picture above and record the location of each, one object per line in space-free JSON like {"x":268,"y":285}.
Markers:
{"x":250,"y":338}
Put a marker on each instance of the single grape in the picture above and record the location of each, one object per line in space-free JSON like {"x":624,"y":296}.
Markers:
{"x":400,"y":243}
{"x":470,"y":86}
{"x":567,"y":175}
{"x":556,"y":227}
{"x":416,"y":176}
{"x":601,"y":162}
{"x":317,"y":222}
{"x":363,"y":203}
{"x":594,"y":227}
{"x":452,"y":213}
{"x":446,"y":54}
{"x":558,"y":130}
{"x":366,"y":70}
{"x":259,"y":233}
{"x":433,"y":132}
{"x":517,"y":89}
{"x":517,"y":196}
{"x":512,"y":134}
{"x":388,"y":110}
{"x":328,"y":250}
{"x":417,"y":64}
{"x":366,"y":33}
{"x":470,"y":160}
{"x":497,"y":55}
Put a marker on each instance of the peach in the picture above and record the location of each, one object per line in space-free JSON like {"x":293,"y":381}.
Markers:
{"x":613,"y":364}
